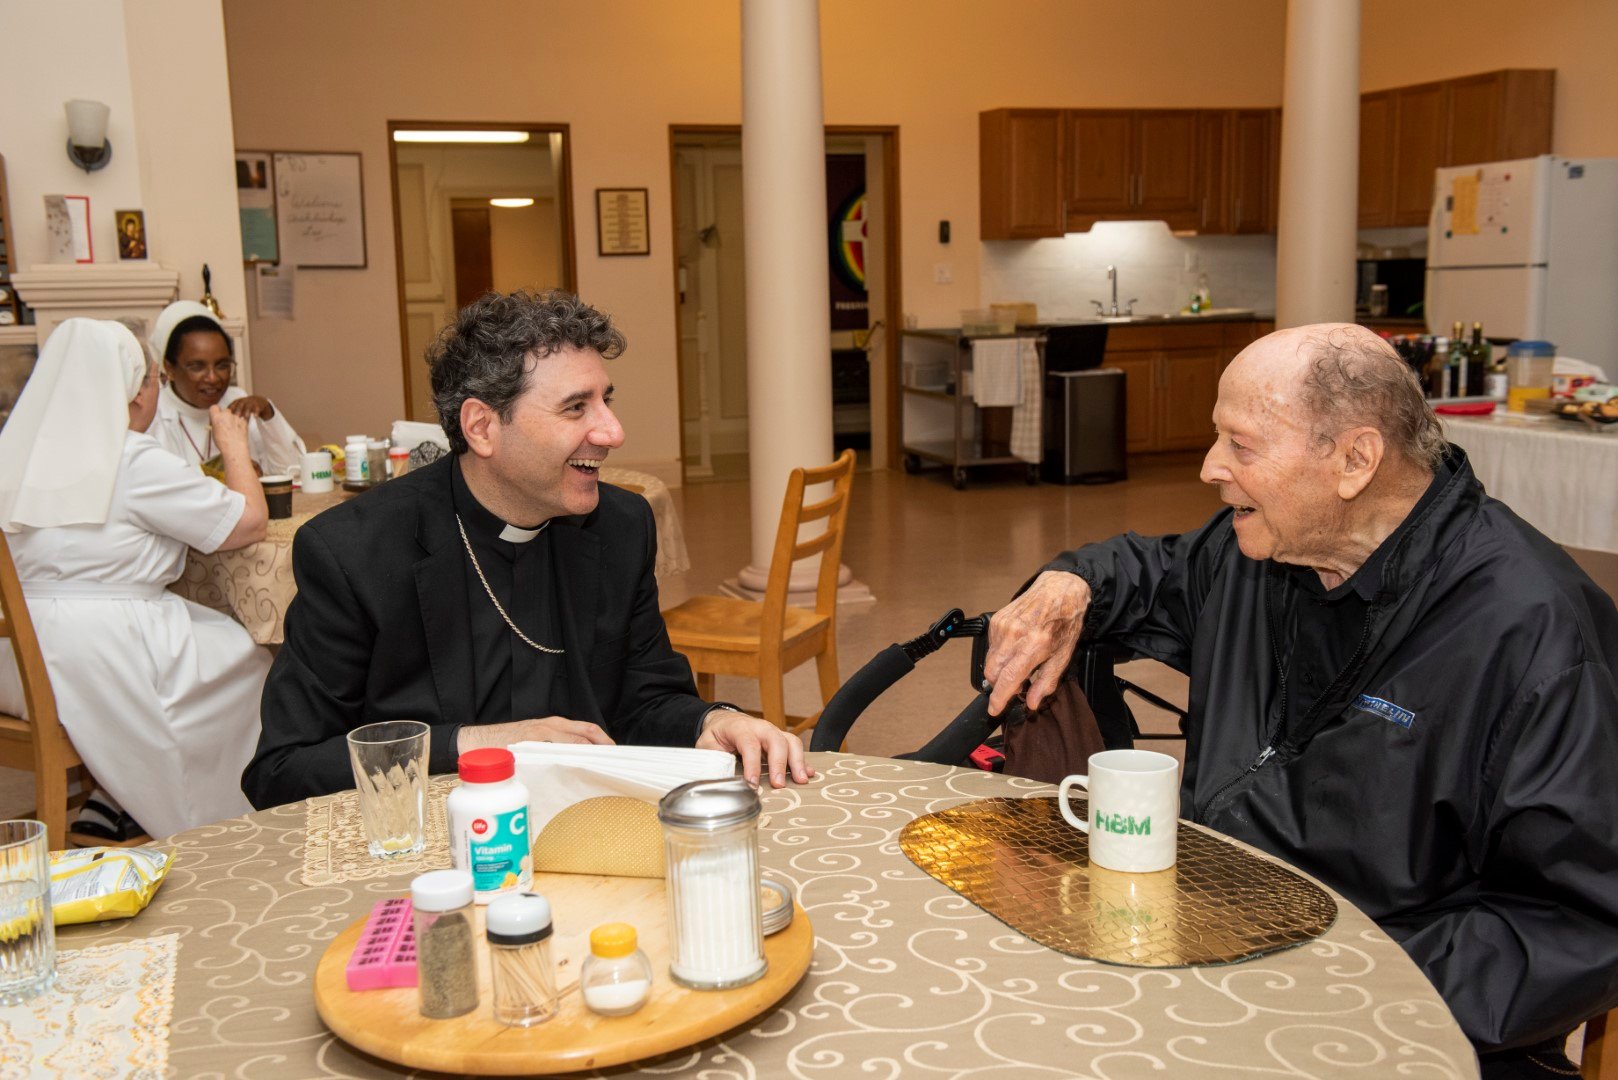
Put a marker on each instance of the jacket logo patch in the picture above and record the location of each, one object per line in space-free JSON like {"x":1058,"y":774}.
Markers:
{"x":1387,"y":710}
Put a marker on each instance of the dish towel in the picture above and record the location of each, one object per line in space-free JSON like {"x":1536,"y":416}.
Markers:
{"x":995,"y":380}
{"x":1025,"y":416}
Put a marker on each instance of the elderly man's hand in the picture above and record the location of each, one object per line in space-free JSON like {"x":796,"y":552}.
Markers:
{"x":557,"y":729}
{"x":1033,"y":637}
{"x":253,"y":406}
{"x":757,"y":742}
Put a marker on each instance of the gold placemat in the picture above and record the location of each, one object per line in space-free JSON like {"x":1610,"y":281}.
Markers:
{"x":1021,"y":862}
{"x":334,"y":848}
{"x":107,"y":1015}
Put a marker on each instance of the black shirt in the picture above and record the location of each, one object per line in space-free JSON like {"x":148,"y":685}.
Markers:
{"x":1321,"y":631}
{"x":511,"y":680}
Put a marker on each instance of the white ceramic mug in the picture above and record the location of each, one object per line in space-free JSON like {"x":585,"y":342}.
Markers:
{"x":1134,"y":809}
{"x":316,"y":472}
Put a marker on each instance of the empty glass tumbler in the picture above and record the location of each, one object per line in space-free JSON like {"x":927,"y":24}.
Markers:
{"x":27,"y":934}
{"x":390,"y":771}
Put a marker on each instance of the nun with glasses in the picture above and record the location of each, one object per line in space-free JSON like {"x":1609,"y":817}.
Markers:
{"x":159,"y":695}
{"x":197,"y":358}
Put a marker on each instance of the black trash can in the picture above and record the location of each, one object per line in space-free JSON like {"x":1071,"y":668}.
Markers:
{"x":1084,"y":427}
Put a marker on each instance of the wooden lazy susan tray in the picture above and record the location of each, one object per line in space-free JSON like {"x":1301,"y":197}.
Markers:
{"x":387,"y":1023}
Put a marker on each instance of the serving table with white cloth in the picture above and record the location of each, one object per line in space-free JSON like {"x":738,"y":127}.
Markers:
{"x":254,"y":584}
{"x":1559,"y":476}
{"x":908,"y":978}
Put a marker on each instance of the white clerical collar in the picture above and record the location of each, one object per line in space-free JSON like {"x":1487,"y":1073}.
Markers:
{"x":513,"y":535}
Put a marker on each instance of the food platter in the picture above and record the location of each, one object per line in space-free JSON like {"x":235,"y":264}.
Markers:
{"x":388,"y":1024}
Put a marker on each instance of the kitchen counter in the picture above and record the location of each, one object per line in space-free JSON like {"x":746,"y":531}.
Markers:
{"x":1224,"y":315}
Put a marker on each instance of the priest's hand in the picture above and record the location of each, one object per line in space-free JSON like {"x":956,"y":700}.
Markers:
{"x":1032,"y":638}
{"x":758,"y":743}
{"x":252,"y":406}
{"x":557,"y":729}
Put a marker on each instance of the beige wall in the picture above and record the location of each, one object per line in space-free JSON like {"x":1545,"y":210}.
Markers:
{"x":620,"y":72}
{"x":1406,"y":42}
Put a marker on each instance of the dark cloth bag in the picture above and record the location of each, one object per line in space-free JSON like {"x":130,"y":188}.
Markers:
{"x":1054,"y":741}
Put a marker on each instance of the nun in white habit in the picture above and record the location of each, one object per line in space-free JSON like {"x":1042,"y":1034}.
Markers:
{"x":196,"y":355}
{"x":159,"y":695}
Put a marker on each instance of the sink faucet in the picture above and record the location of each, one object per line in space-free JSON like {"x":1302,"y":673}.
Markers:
{"x":1101,"y":309}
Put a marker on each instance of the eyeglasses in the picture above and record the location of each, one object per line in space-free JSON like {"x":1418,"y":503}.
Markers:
{"x":198,"y":368}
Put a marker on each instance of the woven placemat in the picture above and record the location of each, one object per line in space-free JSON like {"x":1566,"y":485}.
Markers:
{"x":1021,"y":862}
{"x":334,"y":848}
{"x":107,"y":1015}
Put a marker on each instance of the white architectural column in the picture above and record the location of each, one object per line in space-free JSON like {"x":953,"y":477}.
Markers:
{"x":788,"y":298}
{"x":1320,"y":153}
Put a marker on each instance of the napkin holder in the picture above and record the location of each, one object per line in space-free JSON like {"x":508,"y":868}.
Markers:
{"x":593,"y":809}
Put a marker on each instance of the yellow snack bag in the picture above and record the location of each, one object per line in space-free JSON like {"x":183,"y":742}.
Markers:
{"x":98,"y":883}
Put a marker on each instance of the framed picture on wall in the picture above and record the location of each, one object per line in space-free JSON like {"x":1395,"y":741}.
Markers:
{"x":255,"y":202}
{"x":131,"y":229}
{"x":621,"y":226}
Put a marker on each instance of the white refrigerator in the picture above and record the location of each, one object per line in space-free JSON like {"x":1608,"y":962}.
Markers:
{"x":1528,"y":248}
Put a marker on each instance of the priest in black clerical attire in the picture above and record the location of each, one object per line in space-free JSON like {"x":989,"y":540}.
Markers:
{"x":502,"y":593}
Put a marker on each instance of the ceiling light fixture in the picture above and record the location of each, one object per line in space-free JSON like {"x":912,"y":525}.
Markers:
{"x":512,"y":204}
{"x":419,"y":136}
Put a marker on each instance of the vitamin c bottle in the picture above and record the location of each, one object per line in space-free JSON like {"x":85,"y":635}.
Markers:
{"x":488,"y":823}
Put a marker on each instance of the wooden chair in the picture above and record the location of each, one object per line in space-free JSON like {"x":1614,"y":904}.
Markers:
{"x":723,"y":636}
{"x":1600,"y":1060}
{"x":40,"y":743}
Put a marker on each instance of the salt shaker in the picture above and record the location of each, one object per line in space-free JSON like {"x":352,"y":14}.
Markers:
{"x":446,"y":973}
{"x":710,"y":837}
{"x":518,"y":926}
{"x":616,"y":978}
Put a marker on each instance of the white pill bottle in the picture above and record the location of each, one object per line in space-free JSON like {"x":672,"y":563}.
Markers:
{"x":488,"y":824}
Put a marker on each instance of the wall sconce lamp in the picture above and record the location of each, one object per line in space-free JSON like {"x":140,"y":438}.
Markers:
{"x":87,"y":144}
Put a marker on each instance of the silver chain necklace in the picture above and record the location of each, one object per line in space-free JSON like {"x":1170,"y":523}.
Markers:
{"x":526,"y":640}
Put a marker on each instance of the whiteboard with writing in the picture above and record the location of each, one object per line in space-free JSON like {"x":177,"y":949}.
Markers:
{"x":321,"y":210}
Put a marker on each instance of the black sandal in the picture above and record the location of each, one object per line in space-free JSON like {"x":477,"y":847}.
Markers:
{"x":123,"y":828}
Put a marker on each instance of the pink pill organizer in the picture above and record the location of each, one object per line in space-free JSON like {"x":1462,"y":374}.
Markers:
{"x":386,"y":953}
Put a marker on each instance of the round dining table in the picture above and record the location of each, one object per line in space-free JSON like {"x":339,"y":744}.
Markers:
{"x":908,"y":979}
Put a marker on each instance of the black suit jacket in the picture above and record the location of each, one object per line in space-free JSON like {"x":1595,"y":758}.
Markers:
{"x":380,"y":630}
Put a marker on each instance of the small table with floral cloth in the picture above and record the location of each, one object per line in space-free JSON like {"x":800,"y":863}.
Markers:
{"x":254,"y":584}
{"x":908,"y":978}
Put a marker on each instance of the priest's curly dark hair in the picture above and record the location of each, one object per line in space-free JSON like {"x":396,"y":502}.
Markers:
{"x":487,"y":352}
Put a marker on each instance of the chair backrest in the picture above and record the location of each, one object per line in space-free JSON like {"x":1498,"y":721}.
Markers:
{"x":828,"y":545}
{"x":16,"y":625}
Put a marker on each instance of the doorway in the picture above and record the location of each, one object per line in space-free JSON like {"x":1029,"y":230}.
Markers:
{"x":710,"y":303}
{"x":476,"y":207}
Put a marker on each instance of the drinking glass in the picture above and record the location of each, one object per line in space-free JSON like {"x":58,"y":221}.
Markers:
{"x":390,"y":771}
{"x":27,"y":934}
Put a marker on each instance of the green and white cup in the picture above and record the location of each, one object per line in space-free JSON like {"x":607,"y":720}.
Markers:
{"x":1134,"y":809}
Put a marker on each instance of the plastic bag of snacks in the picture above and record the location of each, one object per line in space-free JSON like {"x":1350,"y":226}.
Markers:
{"x":98,"y":883}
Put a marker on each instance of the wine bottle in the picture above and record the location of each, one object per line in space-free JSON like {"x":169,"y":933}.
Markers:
{"x":1478,"y":357}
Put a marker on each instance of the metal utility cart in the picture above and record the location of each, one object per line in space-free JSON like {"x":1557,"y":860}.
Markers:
{"x":940,"y":422}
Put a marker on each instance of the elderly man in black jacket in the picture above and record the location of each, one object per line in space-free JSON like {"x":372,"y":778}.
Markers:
{"x":500,"y":594}
{"x":1397,"y":685}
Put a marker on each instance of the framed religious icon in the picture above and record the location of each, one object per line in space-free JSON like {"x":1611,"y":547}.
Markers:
{"x":255,"y":203}
{"x":621,"y":226}
{"x":131,"y":227}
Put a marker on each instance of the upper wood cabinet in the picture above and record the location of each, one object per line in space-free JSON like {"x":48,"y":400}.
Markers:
{"x":1020,"y":173}
{"x":1248,"y":160}
{"x":1166,"y":169}
{"x":1215,"y":212}
{"x":1100,"y":163}
{"x":1408,"y":132}
{"x":1376,"y":159}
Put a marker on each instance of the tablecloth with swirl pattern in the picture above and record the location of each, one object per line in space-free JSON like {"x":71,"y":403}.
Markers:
{"x":909,"y":979}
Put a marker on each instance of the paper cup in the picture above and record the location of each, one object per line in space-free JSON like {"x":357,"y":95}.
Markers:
{"x":278,"y":495}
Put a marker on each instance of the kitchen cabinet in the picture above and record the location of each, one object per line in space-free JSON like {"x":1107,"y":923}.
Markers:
{"x":1273,"y":214}
{"x":1420,"y":126}
{"x":1171,"y":381}
{"x":1128,"y":164}
{"x":1247,"y":160}
{"x":1376,"y":159}
{"x":1500,"y":116}
{"x":1100,"y":164}
{"x":1215,"y":213}
{"x":1020,"y":178}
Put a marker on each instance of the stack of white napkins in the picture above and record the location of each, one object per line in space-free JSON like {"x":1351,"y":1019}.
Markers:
{"x":557,"y":775}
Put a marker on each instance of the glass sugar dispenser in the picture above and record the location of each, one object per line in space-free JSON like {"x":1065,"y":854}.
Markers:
{"x":710,"y":836}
